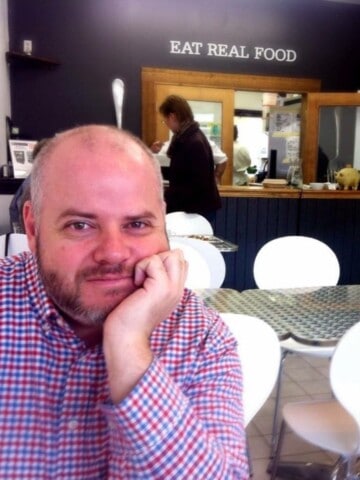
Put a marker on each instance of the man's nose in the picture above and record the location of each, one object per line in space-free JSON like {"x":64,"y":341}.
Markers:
{"x":112,"y":247}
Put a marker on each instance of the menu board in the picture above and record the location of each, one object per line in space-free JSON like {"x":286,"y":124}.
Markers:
{"x":22,"y":156}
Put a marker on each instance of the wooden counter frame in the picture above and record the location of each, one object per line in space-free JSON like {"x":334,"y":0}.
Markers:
{"x":288,"y":192}
{"x":151,"y":77}
{"x":310,"y":125}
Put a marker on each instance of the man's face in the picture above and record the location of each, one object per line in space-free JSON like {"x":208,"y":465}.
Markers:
{"x":100,"y":215}
{"x":172,"y":122}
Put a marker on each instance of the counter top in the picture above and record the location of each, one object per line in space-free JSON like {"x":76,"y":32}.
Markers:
{"x":258,"y":191}
{"x":331,"y":194}
{"x":286,"y":192}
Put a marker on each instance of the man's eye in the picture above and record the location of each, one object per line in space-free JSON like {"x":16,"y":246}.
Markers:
{"x":138,"y":224}
{"x":79,"y":226}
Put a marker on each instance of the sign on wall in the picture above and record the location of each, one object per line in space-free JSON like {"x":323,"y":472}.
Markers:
{"x":242,"y":52}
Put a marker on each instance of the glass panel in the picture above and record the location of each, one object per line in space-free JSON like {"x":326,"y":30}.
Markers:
{"x":339,"y":140}
{"x":209,"y":116}
{"x":269,"y":128}
{"x":284,"y":139}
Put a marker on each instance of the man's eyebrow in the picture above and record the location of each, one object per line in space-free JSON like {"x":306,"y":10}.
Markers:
{"x":140,"y":215}
{"x":72,"y":212}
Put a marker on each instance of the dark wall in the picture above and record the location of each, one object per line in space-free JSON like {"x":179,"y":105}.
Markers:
{"x":98,"y":40}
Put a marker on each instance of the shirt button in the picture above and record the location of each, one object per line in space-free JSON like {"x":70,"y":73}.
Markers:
{"x":47,"y":328}
{"x":112,"y":426}
{"x":61,"y":322}
{"x":73,"y":424}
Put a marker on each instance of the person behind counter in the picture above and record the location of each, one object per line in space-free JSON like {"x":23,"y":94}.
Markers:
{"x":110,"y":368}
{"x":241,"y":161}
{"x":220,"y":157}
{"x":192,"y":185}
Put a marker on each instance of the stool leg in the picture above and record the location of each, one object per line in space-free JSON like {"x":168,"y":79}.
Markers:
{"x":274,"y":463}
{"x":275,"y":428}
{"x":251,"y":470}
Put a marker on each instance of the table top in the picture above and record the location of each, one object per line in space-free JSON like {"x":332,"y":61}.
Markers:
{"x":313,"y":316}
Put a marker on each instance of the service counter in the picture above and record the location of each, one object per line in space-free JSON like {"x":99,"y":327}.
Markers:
{"x":251,"y":216}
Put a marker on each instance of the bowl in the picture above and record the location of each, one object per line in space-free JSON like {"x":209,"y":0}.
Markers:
{"x":316,"y":186}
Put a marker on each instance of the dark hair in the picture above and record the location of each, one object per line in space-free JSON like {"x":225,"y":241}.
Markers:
{"x":178,"y":106}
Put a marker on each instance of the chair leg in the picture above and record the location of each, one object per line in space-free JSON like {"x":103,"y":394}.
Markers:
{"x":275,"y":461}
{"x":275,"y":426}
{"x":351,"y":468}
{"x":345,"y":469}
{"x":251,"y":470}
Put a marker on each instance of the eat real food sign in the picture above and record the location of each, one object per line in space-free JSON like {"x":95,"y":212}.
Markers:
{"x":178,"y":47}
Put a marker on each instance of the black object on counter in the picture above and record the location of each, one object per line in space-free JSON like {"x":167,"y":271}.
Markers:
{"x":272,"y":165}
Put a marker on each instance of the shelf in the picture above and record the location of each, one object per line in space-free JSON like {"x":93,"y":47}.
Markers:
{"x":22,"y":58}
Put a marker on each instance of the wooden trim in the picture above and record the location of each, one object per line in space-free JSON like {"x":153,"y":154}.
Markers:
{"x":310,"y":127}
{"x":223,"y":96}
{"x":256,"y":192}
{"x":231,"y":80}
{"x":331,"y":194}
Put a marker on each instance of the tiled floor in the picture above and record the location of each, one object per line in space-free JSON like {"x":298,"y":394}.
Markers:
{"x":304,"y":378}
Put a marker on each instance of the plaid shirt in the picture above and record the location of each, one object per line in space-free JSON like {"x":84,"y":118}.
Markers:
{"x":183,"y":420}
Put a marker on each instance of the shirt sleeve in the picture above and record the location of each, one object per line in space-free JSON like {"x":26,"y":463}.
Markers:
{"x":218,"y":154}
{"x":193,"y":431}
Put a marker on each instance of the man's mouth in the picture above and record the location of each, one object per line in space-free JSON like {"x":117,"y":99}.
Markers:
{"x":108,"y":278}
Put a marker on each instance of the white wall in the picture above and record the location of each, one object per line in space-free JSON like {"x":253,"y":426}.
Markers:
{"x":248,"y":100}
{"x":4,"y":79}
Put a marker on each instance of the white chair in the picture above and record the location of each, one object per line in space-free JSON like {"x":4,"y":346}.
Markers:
{"x":333,"y":425}
{"x":211,"y":276}
{"x":295,"y":261}
{"x":198,"y":270}
{"x":17,"y":242}
{"x":182,"y":223}
{"x":259,"y":352}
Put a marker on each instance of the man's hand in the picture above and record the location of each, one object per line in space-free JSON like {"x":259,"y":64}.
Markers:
{"x":127,"y":329}
{"x":156,"y":146}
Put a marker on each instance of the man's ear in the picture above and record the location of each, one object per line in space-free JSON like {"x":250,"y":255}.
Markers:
{"x":29,"y":223}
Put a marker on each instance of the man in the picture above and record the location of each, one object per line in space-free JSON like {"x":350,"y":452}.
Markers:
{"x":192,"y":184}
{"x":109,"y":368}
{"x":220,"y":157}
{"x":241,"y":160}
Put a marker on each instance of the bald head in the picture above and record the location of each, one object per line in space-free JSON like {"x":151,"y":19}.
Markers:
{"x":95,"y":146}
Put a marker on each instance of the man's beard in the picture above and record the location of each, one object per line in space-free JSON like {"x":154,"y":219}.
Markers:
{"x":67,"y":297}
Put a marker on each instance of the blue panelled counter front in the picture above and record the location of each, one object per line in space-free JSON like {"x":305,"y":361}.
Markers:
{"x":251,"y":216}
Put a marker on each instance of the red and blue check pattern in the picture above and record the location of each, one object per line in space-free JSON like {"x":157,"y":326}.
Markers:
{"x":183,"y":420}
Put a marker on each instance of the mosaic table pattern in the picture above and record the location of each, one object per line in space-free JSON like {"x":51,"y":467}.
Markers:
{"x":219,"y":243}
{"x":314,"y":316}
